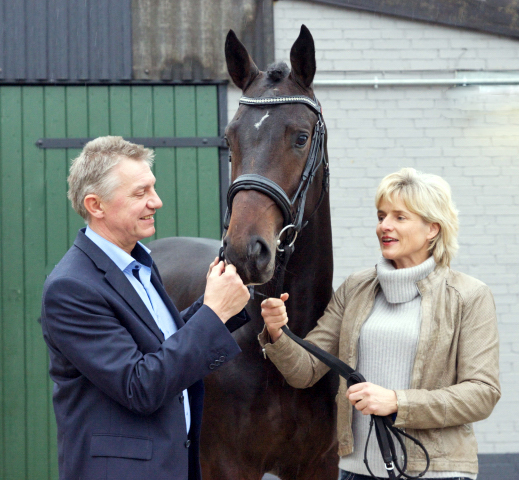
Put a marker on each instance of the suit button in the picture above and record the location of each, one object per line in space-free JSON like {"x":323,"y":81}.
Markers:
{"x":217,"y":363}
{"x":212,"y":366}
{"x":181,"y":399}
{"x":187,"y":443}
{"x":222,"y":359}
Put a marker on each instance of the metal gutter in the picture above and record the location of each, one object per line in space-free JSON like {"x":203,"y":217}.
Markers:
{"x":400,"y":82}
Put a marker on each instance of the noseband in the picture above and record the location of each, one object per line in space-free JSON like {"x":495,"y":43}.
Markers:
{"x":291,"y":209}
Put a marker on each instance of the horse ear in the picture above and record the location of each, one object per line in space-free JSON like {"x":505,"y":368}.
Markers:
{"x":302,"y":58}
{"x":240,"y":65}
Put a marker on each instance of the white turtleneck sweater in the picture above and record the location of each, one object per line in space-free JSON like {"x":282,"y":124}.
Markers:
{"x":386,"y":354}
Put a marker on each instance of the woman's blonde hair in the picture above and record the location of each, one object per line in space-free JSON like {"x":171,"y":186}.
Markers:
{"x":429,"y":196}
{"x":91,"y":172}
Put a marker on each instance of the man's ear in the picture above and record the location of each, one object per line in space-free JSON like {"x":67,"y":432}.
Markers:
{"x":434,"y":230}
{"x":93,"y":205}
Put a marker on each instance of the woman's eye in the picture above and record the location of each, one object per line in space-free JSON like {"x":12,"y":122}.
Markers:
{"x":301,"y":140}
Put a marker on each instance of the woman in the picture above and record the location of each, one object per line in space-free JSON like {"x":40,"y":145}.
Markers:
{"x":425,"y":337}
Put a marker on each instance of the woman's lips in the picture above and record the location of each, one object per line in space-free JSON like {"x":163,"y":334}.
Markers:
{"x":388,"y":240}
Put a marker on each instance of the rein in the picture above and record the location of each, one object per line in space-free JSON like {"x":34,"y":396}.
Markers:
{"x":292,"y":226}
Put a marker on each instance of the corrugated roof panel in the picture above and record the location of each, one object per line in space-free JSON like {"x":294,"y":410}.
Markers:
{"x":65,"y":40}
{"x":91,"y":40}
{"x":183,"y":40}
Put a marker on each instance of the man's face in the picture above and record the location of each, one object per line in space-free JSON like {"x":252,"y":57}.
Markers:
{"x":128,"y":215}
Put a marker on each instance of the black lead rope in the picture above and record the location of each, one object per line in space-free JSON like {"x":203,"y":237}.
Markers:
{"x":384,"y":428}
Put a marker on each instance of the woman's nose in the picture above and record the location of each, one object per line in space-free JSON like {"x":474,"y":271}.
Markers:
{"x":386,"y":224}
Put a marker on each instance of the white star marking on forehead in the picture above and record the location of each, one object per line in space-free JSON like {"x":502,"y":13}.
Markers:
{"x":258,"y":125}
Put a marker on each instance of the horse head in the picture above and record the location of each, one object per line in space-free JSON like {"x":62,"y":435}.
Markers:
{"x":270,"y":142}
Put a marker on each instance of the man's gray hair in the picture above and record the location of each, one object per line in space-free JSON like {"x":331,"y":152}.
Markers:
{"x":91,"y":172}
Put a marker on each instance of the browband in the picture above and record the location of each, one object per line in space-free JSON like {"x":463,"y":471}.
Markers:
{"x":283,"y":99}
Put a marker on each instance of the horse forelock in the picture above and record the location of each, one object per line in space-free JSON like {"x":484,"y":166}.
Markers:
{"x":277,"y":71}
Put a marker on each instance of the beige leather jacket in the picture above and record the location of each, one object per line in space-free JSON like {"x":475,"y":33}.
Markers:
{"x":455,"y":375}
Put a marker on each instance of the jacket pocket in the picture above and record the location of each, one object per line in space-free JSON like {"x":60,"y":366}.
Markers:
{"x":106,"y":445}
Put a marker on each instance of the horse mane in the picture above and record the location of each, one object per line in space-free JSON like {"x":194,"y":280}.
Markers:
{"x":278,"y":71}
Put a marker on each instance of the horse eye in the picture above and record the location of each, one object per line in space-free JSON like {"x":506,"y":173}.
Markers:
{"x":301,"y":140}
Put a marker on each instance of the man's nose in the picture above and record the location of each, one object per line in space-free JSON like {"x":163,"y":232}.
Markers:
{"x":155,"y":202}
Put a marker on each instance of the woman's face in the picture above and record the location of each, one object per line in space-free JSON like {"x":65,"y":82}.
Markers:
{"x":404,"y":237}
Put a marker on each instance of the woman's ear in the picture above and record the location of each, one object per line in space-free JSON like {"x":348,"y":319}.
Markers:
{"x":93,"y":205}
{"x":434,"y":229}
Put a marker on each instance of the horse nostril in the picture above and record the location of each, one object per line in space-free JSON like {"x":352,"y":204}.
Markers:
{"x":258,"y":252}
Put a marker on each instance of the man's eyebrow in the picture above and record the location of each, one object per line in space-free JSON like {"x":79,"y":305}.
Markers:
{"x":140,"y":187}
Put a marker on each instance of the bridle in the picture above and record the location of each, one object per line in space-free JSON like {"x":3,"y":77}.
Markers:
{"x":292,"y":211}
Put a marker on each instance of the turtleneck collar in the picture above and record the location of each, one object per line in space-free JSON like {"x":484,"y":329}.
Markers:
{"x":399,"y":285}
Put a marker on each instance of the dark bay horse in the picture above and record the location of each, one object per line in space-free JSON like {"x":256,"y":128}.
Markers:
{"x":253,"y":421}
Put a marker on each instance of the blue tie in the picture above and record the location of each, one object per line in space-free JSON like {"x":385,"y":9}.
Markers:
{"x":135,"y":272}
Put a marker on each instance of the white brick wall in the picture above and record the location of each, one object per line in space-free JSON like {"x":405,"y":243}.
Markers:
{"x":468,"y":135}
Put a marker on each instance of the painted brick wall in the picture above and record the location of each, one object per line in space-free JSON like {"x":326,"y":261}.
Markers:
{"x":468,"y":135}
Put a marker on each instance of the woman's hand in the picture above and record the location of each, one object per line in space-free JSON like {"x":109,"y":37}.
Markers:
{"x":274,"y":313}
{"x":372,"y":399}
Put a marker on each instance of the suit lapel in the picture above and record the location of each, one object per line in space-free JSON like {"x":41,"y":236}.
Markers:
{"x":121,"y":285}
{"x":118,"y":281}
{"x":157,"y":283}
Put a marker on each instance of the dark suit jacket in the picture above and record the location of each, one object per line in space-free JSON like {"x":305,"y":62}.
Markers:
{"x":118,"y":385}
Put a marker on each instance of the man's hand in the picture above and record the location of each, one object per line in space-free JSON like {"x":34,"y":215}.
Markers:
{"x":274,"y":313}
{"x":225,"y":292}
{"x":369,"y":399}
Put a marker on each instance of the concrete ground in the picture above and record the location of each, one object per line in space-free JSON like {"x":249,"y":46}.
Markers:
{"x":491,"y":467}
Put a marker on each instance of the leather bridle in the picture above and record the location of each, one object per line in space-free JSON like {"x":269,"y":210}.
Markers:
{"x":291,"y":209}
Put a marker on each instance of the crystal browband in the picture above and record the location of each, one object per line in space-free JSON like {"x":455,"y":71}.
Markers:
{"x":280,"y":100}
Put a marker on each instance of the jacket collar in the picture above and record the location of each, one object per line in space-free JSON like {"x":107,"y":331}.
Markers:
{"x":438,"y":275}
{"x":119,"y":282}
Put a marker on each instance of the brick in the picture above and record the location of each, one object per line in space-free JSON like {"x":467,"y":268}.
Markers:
{"x":467,"y":134}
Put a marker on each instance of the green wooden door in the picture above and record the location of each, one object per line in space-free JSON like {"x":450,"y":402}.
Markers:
{"x":38,"y":225}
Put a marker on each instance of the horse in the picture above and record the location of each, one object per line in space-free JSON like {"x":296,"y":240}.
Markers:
{"x":253,"y":421}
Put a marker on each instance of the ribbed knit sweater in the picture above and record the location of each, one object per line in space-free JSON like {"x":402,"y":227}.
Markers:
{"x":386,"y":353}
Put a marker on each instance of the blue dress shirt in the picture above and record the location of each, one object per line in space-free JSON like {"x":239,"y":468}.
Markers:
{"x":141,"y":282}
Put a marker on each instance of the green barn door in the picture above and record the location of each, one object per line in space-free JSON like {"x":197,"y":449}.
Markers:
{"x":37,"y":224}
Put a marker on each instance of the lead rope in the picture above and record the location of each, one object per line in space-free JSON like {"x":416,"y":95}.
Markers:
{"x":384,"y":427}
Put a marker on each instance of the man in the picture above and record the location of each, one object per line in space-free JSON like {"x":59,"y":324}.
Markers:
{"x":127,"y":367}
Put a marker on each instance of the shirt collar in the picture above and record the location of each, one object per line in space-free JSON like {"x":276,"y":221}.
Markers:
{"x":122,"y":259}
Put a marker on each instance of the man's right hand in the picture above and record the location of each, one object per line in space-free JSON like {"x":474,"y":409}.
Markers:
{"x":225,"y":292}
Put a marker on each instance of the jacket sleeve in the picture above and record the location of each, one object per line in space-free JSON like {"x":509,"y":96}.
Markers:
{"x":300,"y":368}
{"x":477,"y":389}
{"x":83,"y":333}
